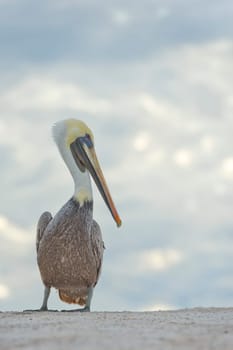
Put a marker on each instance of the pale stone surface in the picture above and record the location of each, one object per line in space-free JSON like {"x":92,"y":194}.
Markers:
{"x":207,"y":328}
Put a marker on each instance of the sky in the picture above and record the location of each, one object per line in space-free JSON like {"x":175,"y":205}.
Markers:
{"x":153,"y":80}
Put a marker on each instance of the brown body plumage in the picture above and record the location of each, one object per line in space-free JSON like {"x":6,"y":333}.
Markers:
{"x":70,"y":251}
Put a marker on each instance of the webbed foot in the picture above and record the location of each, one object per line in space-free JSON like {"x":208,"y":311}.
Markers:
{"x":42,"y":309}
{"x":85,"y":309}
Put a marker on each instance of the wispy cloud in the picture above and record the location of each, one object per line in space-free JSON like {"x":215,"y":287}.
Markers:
{"x":40,"y":93}
{"x":12,"y":233}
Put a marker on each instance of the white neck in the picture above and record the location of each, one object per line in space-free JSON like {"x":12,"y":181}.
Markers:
{"x":82,"y":181}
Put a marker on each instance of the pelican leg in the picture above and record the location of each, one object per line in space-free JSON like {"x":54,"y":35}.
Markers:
{"x":87,"y":307}
{"x":44,"y":306}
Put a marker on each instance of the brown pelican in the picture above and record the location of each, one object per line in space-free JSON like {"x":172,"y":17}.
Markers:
{"x":70,"y":246}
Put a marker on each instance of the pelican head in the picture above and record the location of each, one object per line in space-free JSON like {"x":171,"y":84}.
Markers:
{"x":76,"y":144}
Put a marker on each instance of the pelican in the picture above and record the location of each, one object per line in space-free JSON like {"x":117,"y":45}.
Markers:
{"x":70,"y":246}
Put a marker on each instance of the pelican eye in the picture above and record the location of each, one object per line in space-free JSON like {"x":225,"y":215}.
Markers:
{"x":87,"y":140}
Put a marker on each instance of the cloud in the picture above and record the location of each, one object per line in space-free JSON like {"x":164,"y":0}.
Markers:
{"x":227,"y":168}
{"x":17,"y":250}
{"x":159,"y":307}
{"x":183,"y":157}
{"x":153,"y":80}
{"x":182,"y":148}
{"x":159,"y":260}
{"x":4,"y":291}
{"x":14,"y":234}
{"x":121,"y":17}
{"x":41,"y":93}
{"x":141,"y":141}
{"x":93,"y":32}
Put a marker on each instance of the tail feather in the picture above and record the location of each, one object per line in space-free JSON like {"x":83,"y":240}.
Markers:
{"x":72,"y":300}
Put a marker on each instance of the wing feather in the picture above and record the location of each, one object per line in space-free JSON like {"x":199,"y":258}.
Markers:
{"x":43,"y":222}
{"x":98,"y":247}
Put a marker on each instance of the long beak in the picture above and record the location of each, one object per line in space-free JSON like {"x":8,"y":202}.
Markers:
{"x":88,"y":157}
